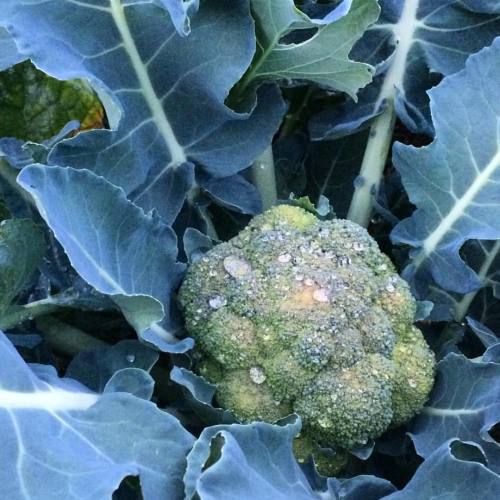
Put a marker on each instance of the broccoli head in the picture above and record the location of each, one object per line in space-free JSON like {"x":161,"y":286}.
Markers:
{"x":300,"y":315}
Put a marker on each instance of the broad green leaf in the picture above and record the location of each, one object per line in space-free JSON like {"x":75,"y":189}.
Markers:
{"x":22,"y":247}
{"x":413,"y":43}
{"x":200,"y":397}
{"x":451,"y":473}
{"x":35,"y":106}
{"x":454,"y":181}
{"x":322,"y":58}
{"x":167,"y":91}
{"x":484,"y":258}
{"x":464,"y":404}
{"x":112,"y":244}
{"x":62,"y":441}
{"x":180,"y":12}
{"x":256,"y":461}
{"x":9,"y":54}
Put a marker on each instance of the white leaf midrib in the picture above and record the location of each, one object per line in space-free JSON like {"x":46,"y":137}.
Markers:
{"x":451,"y":412}
{"x":404,"y":31}
{"x":459,"y":208}
{"x":155,"y":106}
{"x":54,"y":400}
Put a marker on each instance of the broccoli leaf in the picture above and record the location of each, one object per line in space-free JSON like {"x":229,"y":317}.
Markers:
{"x":323,"y":58}
{"x":112,"y":244}
{"x":362,"y":486}
{"x":485,"y":6}
{"x":413,"y":43}
{"x":35,"y":106}
{"x":200,"y":396}
{"x":180,"y":11}
{"x":444,"y":475}
{"x":157,"y":79}
{"x":22,"y":247}
{"x":484,"y":258}
{"x":465,"y":403}
{"x":82,"y":443}
{"x":453,"y":182}
{"x":95,"y":368}
{"x":256,"y":461}
{"x":9,"y":55}
{"x":484,"y":334}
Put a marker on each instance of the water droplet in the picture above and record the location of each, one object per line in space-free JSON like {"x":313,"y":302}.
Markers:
{"x":130,"y":358}
{"x":321,"y":295}
{"x":325,"y":423}
{"x":236,"y":266}
{"x":343,"y":261}
{"x":284,"y":258}
{"x":412,"y":383}
{"x":358,"y":246}
{"x":308,"y":282}
{"x":359,"y":181}
{"x":217,"y":301}
{"x":390,"y":287}
{"x":257,"y":375}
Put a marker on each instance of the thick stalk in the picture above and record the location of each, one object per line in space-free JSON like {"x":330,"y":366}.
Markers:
{"x":379,"y":140}
{"x":264,"y":178}
{"x":65,"y":338}
{"x":15,"y":315}
{"x":372,"y":167}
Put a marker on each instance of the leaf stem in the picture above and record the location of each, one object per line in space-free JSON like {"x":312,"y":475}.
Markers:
{"x":382,"y":128}
{"x":264,"y":178}
{"x":372,"y":166}
{"x":66,"y":338}
{"x":18,"y":314}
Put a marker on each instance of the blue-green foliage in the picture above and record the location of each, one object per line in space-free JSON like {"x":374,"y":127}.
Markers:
{"x":437,"y":37}
{"x":97,"y":227}
{"x":82,"y":443}
{"x":455,"y":470}
{"x":453,"y":182}
{"x":9,"y":54}
{"x":468,"y":412}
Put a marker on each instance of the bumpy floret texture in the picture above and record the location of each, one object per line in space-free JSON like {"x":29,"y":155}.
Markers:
{"x":300,"y":315}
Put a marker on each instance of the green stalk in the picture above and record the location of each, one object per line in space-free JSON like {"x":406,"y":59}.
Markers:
{"x":379,"y":141}
{"x":66,"y":338}
{"x":15,"y":315}
{"x":372,"y":167}
{"x":264,"y":178}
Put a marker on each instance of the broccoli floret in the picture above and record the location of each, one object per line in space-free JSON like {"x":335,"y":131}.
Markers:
{"x":300,"y":315}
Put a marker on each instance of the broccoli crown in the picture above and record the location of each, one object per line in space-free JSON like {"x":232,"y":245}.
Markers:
{"x":300,"y":315}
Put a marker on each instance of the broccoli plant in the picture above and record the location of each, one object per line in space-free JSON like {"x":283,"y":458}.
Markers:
{"x":249,"y":249}
{"x":300,"y":315}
